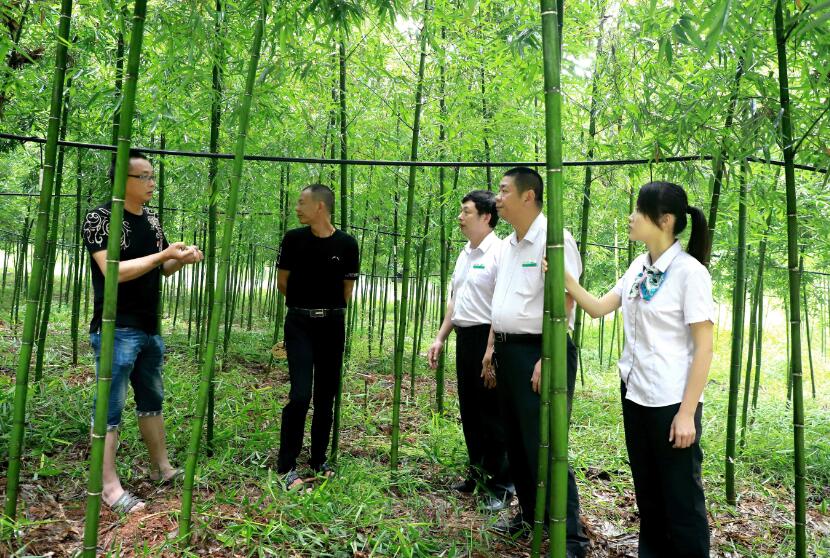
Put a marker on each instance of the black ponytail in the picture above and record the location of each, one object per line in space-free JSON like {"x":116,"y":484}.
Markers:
{"x":660,"y":198}
{"x":699,"y":242}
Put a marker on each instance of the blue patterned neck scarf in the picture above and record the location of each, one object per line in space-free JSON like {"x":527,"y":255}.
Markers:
{"x":647,"y":283}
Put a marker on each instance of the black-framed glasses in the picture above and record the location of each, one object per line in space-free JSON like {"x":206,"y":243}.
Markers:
{"x":144,"y":177}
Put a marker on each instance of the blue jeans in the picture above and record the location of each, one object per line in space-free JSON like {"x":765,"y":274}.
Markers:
{"x":137,"y":359}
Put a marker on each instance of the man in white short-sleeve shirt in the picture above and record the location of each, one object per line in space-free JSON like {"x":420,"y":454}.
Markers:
{"x":518,"y":302}
{"x":468,"y":313}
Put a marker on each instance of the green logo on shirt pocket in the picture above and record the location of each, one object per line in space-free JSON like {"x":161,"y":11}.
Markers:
{"x":529,"y":264}
{"x":478,"y":266}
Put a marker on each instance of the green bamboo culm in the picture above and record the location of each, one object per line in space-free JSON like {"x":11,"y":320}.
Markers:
{"x":34,"y":288}
{"x":160,"y":189}
{"x":553,"y":427}
{"x":720,"y":161}
{"x":48,"y":280}
{"x":444,"y":241}
{"x":213,"y":172}
{"x":344,"y":225}
{"x":799,"y":465}
{"x":738,"y":310}
{"x":755,"y":324}
{"x":400,"y":333}
{"x":807,"y":325}
{"x":122,"y":164}
{"x":77,"y":275}
{"x":586,"y":188}
{"x":221,"y":279}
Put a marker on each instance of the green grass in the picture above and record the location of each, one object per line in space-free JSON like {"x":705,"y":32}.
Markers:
{"x":365,"y":511}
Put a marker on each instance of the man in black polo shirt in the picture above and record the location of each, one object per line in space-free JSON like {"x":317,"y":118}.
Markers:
{"x":138,"y":352}
{"x":318,"y":266}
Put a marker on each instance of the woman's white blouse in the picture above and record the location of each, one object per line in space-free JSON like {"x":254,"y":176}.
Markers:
{"x":658,"y":347}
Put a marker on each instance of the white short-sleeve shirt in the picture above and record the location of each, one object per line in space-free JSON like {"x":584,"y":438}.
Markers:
{"x":473,"y":281}
{"x":518,"y":298}
{"x":658,"y":349}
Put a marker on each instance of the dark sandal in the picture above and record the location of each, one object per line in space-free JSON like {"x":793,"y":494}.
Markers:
{"x":325,"y":470}
{"x":126,"y":503}
{"x":289,"y":479}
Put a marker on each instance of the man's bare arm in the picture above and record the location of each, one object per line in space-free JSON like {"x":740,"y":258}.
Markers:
{"x":282,"y":281}
{"x":135,"y":268}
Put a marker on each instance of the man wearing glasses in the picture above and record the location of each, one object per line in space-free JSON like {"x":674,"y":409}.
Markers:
{"x":138,"y":353}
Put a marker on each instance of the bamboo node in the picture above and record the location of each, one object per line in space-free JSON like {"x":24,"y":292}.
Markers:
{"x":550,"y":12}
{"x":94,"y":493}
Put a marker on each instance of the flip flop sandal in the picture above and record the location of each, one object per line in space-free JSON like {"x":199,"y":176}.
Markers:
{"x":289,"y":479}
{"x":325,"y":470}
{"x":126,"y":503}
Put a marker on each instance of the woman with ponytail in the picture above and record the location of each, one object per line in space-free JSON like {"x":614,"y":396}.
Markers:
{"x":668,"y":317}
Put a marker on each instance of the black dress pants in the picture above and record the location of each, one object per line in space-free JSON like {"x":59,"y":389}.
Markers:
{"x":667,"y":483}
{"x":520,"y":410}
{"x":480,"y":414}
{"x":315,"y":357}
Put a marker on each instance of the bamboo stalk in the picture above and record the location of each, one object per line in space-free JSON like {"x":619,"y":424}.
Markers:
{"x":160,"y":188}
{"x":400,"y":333}
{"x":755,"y":331}
{"x":33,"y":292}
{"x":49,"y":277}
{"x":554,"y":401}
{"x":221,"y":280}
{"x":588,"y":179}
{"x":807,"y":326}
{"x":213,"y":192}
{"x":758,"y":349}
{"x":720,"y":161}
{"x":799,"y":466}
{"x":738,"y":310}
{"x":442,"y":223}
{"x":96,"y":459}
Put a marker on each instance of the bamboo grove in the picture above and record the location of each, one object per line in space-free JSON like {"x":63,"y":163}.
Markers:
{"x":382,"y":99}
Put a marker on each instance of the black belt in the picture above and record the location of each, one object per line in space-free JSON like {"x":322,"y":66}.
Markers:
{"x":318,"y":312}
{"x":517,"y":337}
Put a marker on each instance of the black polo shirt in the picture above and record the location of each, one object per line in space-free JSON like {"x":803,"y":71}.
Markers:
{"x":318,"y":267}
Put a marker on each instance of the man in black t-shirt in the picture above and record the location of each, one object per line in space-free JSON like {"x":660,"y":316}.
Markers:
{"x":318,"y":266}
{"x":138,"y":350}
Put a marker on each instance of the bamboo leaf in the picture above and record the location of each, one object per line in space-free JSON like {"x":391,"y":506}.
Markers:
{"x":818,"y":22}
{"x":715,"y":24}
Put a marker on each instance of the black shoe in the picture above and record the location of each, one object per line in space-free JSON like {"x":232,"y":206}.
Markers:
{"x":466,"y":486}
{"x":514,"y":527}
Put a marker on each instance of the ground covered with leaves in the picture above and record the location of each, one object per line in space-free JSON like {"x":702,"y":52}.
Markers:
{"x":365,"y":511}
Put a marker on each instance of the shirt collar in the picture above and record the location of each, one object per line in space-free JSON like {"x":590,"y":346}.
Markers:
{"x":665,"y":260}
{"x":537,"y":227}
{"x":484,"y":245}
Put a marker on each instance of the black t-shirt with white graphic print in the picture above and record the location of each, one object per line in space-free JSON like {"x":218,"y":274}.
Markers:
{"x":318,"y":267}
{"x":138,"y":299}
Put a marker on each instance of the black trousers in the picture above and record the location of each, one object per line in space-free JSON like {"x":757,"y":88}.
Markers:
{"x":480,"y":414}
{"x":667,"y":483}
{"x":315,"y":357}
{"x":520,"y":409}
